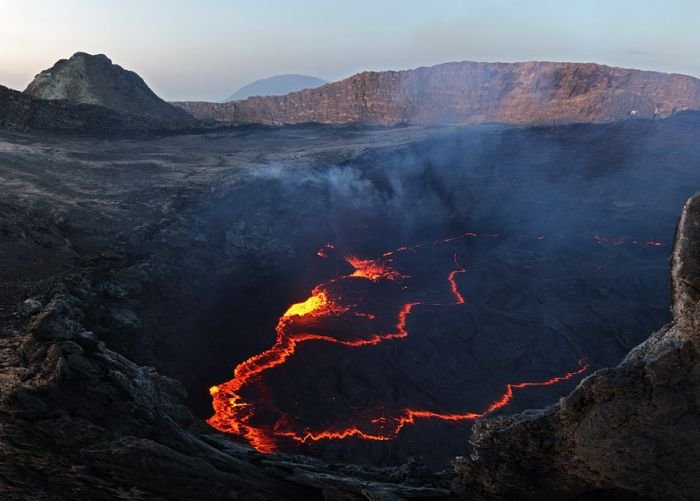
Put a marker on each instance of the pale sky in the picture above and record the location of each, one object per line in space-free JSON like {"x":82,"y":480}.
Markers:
{"x":207,"y":49}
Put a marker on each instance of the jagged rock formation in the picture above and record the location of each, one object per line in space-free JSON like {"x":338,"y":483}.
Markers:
{"x":278,"y":85}
{"x":93,"y":79}
{"x":469,"y":92}
{"x":632,"y":431}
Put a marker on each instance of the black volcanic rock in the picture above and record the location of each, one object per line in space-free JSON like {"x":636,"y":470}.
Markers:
{"x":632,"y":431}
{"x":94,"y":79}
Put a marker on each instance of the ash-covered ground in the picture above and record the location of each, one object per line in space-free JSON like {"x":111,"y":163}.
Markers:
{"x":185,"y":251}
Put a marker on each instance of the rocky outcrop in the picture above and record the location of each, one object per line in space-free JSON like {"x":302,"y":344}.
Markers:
{"x":24,"y":113}
{"x":469,"y":92}
{"x":93,"y":79}
{"x":632,"y":431}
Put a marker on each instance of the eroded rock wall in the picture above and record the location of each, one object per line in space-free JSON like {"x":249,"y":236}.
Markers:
{"x":469,"y":92}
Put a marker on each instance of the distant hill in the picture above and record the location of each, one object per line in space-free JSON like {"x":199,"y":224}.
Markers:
{"x":95,"y":80}
{"x":276,"y":86}
{"x":472,"y":92}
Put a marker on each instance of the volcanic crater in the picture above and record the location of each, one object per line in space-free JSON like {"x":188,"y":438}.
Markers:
{"x":354,"y":294}
{"x":374,"y":307}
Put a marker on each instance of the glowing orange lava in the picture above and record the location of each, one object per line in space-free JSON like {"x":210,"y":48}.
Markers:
{"x":235,"y":413}
{"x":453,"y":284}
{"x":372,"y":269}
{"x":323,"y":251}
{"x":314,"y":303}
{"x":410,"y":416}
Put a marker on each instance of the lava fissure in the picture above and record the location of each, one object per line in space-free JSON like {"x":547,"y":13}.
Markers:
{"x":453,"y":284}
{"x":410,"y":416}
{"x":301,"y":322}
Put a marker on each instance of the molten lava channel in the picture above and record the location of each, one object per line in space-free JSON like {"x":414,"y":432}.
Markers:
{"x":235,"y":412}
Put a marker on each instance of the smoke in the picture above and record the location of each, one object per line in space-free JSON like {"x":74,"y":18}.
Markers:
{"x":566,"y":184}
{"x":484,"y":179}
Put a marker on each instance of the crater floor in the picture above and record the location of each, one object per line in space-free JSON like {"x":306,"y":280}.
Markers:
{"x":182,"y":254}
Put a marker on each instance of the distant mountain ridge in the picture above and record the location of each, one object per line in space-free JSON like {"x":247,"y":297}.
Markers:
{"x":472,"y":92}
{"x":278,"y":85}
{"x":95,"y":80}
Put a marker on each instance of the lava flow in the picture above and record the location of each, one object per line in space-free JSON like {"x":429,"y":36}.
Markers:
{"x":390,"y":427}
{"x":372,"y":269}
{"x":453,"y":284}
{"x":239,"y":410}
